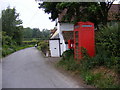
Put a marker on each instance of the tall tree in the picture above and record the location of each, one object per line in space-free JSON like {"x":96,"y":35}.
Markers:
{"x":11,"y":24}
{"x":96,"y":12}
{"x":104,"y":8}
{"x":50,"y":7}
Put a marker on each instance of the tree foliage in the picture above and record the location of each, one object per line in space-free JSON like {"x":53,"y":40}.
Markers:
{"x":36,"y":33}
{"x":96,"y":12}
{"x":50,"y":7}
{"x":45,"y":34}
{"x":11,"y":24}
{"x":108,"y":39}
{"x":27,"y":32}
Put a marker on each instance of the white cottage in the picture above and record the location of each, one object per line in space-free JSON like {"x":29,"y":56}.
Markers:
{"x":59,"y":40}
{"x":54,"y":44}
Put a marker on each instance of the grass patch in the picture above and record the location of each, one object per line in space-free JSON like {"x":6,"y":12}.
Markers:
{"x":6,"y":50}
{"x":67,"y":61}
{"x":105,"y":78}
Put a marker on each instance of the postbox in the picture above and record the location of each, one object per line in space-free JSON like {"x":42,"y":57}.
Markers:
{"x":70,"y":44}
{"x":84,"y":38}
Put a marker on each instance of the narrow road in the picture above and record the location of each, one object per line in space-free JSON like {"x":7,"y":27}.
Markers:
{"x":27,"y":68}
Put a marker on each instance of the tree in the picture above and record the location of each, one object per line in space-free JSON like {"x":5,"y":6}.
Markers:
{"x":50,"y":7}
{"x":104,"y":8}
{"x":96,"y":12}
{"x":18,"y":35}
{"x":27,"y":32}
{"x":11,"y":24}
{"x":46,"y":34}
{"x":36,"y":33}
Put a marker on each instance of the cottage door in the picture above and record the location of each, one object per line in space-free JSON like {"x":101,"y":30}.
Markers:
{"x":54,"y":48}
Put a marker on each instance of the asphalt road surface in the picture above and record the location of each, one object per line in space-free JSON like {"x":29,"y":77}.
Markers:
{"x":27,"y":68}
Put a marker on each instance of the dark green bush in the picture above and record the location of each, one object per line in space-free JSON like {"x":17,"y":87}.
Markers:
{"x":66,"y":55}
{"x":68,"y":61}
{"x":108,"y":38}
{"x":6,"y":51}
{"x":107,"y":47}
{"x":101,"y":59}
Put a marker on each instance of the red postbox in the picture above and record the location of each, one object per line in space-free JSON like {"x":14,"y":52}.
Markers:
{"x":70,"y":44}
{"x":84,"y":38}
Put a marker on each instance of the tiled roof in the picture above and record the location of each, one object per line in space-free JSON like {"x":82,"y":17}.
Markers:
{"x":67,"y":35}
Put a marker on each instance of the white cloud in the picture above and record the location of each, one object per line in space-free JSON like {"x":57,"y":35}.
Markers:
{"x":30,"y":14}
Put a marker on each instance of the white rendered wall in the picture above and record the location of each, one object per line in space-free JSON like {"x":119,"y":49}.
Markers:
{"x":62,"y":43}
{"x":64,"y":27}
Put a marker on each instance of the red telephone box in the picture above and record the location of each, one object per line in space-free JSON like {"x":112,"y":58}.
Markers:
{"x":84,"y":38}
{"x":70,"y":44}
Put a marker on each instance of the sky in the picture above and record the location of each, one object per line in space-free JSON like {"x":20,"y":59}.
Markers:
{"x":30,"y":14}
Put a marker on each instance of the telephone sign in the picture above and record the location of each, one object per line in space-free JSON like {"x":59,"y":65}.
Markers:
{"x":86,"y":25}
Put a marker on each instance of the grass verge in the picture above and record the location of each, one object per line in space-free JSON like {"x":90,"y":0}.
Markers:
{"x":92,"y":73}
{"x":6,"y":50}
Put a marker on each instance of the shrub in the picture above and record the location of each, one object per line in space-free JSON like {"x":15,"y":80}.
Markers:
{"x":43,"y":46}
{"x":108,"y":39}
{"x":9,"y":45}
{"x":66,"y":55}
{"x":68,"y":61}
{"x":108,"y":51}
{"x":6,"y":51}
